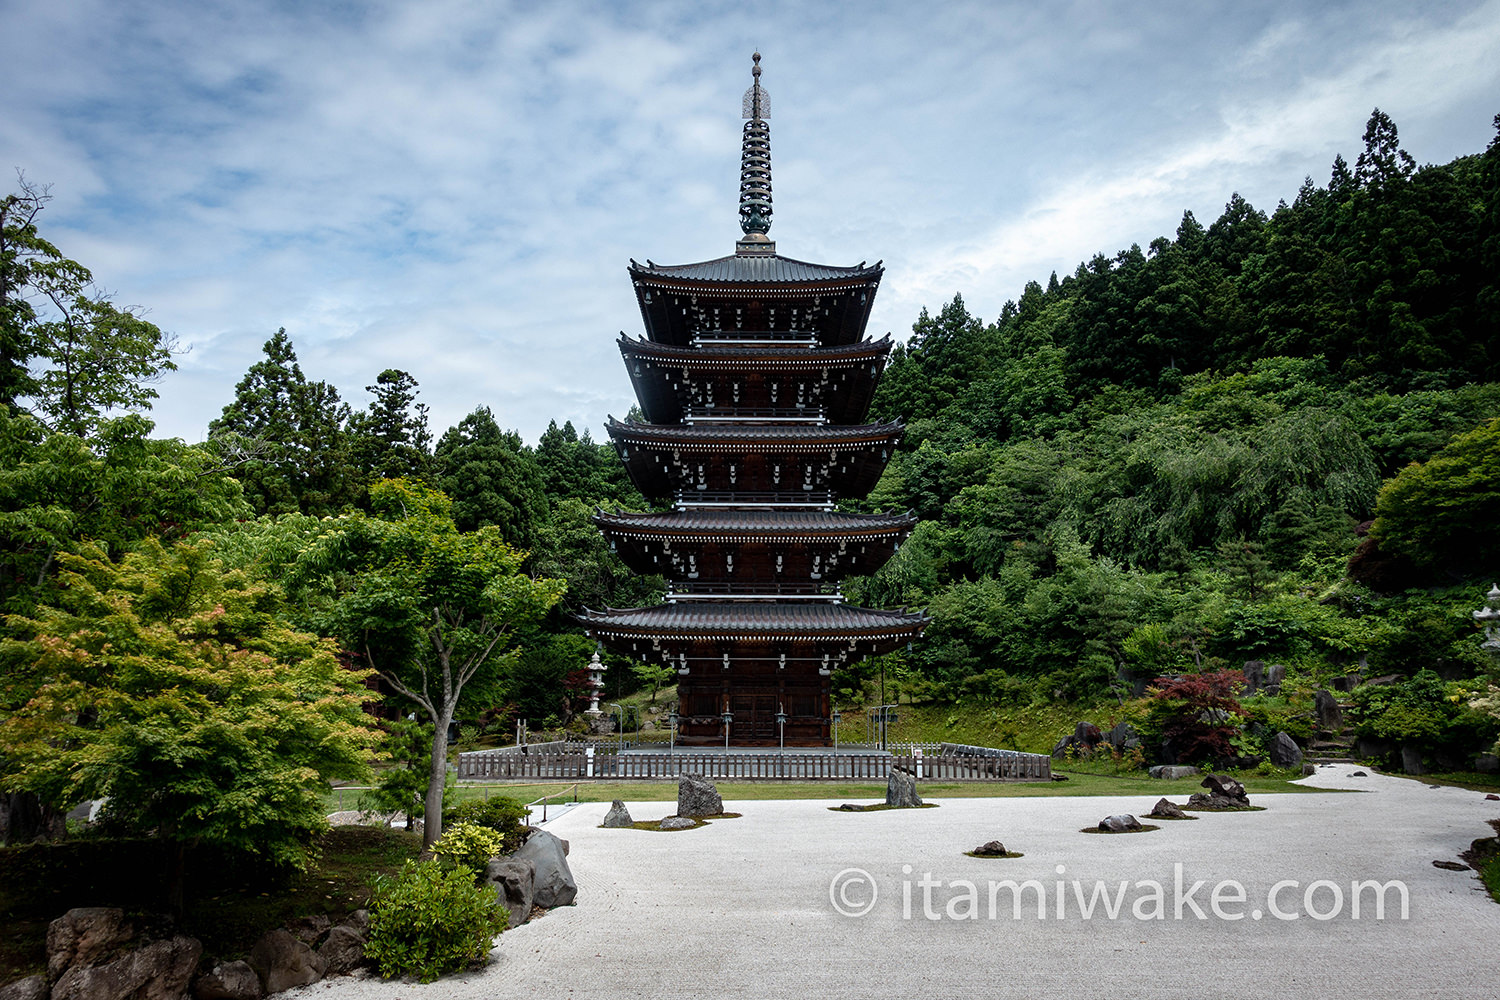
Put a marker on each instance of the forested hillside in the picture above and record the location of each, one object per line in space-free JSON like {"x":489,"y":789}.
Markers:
{"x":1170,"y":459}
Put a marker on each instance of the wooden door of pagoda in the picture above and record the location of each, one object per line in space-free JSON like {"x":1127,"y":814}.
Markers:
{"x":754,"y":718}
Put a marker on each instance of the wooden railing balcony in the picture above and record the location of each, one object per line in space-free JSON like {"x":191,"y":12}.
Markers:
{"x":751,"y":338}
{"x":798,"y":499}
{"x":731,"y":414}
{"x":692,"y":590}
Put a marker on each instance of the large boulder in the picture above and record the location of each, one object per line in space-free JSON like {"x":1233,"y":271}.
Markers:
{"x":342,"y":951}
{"x":1330,"y":716}
{"x":1411,"y":759}
{"x":1275,"y":674}
{"x":901,"y":790}
{"x":554,"y":885}
{"x":1487,"y":763}
{"x":228,"y":981}
{"x":697,"y":797}
{"x":1224,"y":792}
{"x":514,"y":880}
{"x":159,"y":970}
{"x":1123,"y":737}
{"x":618,"y":816}
{"x":85,"y":936}
{"x":1081,"y":742}
{"x":1088,"y":734}
{"x":282,"y":961}
{"x":1171,"y":772}
{"x":991,"y":849}
{"x":1284,"y":751}
{"x":309,"y":929}
{"x":31,"y":988}
{"x":1255,"y":676}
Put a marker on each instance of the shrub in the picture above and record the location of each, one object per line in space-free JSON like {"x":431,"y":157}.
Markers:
{"x":468,"y":844}
{"x":428,"y":921}
{"x":506,"y":817}
{"x":1196,"y":715}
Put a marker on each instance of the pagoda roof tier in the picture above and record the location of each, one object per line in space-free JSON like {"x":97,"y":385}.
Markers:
{"x":792,"y":460}
{"x":834,"y":384}
{"x":763,"y":292}
{"x":779,"y":526}
{"x":759,"y":553}
{"x":753,"y":269}
{"x":729,"y":620}
{"x":773,"y":354}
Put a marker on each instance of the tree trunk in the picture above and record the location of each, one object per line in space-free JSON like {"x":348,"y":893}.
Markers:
{"x":432,"y":820}
{"x":177,"y":880}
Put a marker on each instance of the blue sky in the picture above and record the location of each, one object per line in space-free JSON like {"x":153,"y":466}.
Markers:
{"x":454,"y":188}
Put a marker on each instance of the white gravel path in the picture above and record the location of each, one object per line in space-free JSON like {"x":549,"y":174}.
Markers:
{"x":741,"y":908}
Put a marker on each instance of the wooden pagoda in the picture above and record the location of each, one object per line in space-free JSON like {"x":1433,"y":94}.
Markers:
{"x":755,"y":378}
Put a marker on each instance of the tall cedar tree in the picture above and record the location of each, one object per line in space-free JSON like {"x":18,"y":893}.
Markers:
{"x":391,"y":439}
{"x":292,"y":432}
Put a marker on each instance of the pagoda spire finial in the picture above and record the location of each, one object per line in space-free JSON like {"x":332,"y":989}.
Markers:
{"x":755,"y":168}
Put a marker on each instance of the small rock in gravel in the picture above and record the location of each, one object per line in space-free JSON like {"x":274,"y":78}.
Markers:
{"x":677,"y":823}
{"x":1492,"y":797}
{"x":1450,"y":866}
{"x":1122,"y":823}
{"x":1167,"y":810}
{"x":1359,"y":774}
{"x":993,"y":849}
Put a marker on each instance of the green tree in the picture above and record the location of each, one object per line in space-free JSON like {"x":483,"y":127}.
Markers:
{"x":170,"y":686}
{"x":391,"y":439}
{"x":24,"y":258}
{"x":652,"y":675}
{"x":492,"y":479}
{"x":292,"y":433}
{"x":117,"y":489}
{"x":1441,"y":513}
{"x":64,"y":347}
{"x":426,"y":606}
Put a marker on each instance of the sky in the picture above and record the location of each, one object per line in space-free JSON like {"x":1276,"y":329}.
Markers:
{"x":455,"y":188}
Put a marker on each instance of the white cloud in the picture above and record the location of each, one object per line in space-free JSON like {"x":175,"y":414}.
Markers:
{"x":454,"y":188}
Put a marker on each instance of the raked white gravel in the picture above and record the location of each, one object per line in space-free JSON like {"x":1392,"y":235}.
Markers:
{"x":742,"y":907}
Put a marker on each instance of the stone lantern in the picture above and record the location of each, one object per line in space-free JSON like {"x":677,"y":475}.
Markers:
{"x":596,"y":684}
{"x":1489,"y":618}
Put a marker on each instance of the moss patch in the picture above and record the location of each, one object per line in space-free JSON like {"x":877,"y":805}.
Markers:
{"x":877,"y":807}
{"x":986,"y":857}
{"x":654,"y":825}
{"x":1489,"y":874}
{"x":1145,"y":828}
{"x":1232,"y":809}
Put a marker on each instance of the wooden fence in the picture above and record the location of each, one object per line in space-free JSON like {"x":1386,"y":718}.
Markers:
{"x":572,"y":766}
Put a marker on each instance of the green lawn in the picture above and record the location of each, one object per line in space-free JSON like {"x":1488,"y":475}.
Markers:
{"x":665,"y":789}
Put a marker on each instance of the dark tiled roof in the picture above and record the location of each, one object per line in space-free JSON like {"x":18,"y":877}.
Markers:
{"x":793,"y":434}
{"x":771,"y":352}
{"x":751,"y":269}
{"x":760,"y":522}
{"x":747,"y":618}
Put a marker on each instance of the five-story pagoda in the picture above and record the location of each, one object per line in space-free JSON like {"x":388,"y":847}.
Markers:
{"x":755,"y":378}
